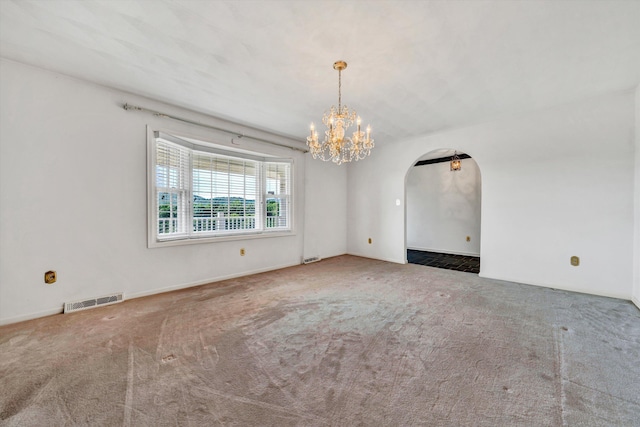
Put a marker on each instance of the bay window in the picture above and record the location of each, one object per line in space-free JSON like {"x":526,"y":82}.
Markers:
{"x":203,"y":191}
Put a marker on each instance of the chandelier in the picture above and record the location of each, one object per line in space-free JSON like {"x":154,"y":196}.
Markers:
{"x":336,"y":146}
{"x":456,"y":165}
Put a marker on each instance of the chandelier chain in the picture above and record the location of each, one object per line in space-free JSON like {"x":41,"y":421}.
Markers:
{"x":339,"y":91}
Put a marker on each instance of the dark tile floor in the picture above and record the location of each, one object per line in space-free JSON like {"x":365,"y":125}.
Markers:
{"x":469,"y":264}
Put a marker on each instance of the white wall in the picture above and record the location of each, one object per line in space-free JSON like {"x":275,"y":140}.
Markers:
{"x":325,"y":213}
{"x":636,"y":251}
{"x":73,"y":198}
{"x":443,"y":208}
{"x":555,"y":183}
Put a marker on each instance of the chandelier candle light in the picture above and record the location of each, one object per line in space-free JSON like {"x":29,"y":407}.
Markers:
{"x":336,"y":147}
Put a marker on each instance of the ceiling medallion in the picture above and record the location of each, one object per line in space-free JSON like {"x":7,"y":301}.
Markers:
{"x":337,"y":147}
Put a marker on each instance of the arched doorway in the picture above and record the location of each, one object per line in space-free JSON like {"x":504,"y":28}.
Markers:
{"x":443,"y":212}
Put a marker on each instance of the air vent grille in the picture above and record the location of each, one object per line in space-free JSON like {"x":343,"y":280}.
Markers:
{"x":311,"y":259}
{"x":70,"y":307}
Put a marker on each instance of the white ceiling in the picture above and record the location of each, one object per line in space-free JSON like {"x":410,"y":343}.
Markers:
{"x":414,"y":66}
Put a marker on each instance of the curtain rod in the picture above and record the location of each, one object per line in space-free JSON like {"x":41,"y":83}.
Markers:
{"x":237,"y":135}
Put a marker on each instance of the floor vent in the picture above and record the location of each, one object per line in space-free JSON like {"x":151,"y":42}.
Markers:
{"x":311,"y":259}
{"x":70,"y":307}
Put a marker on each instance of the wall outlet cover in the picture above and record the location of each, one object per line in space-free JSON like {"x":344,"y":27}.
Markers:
{"x":50,"y":277}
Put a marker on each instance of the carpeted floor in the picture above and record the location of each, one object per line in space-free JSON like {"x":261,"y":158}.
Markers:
{"x":343,"y":342}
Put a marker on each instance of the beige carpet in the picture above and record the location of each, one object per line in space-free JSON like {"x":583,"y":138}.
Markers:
{"x":344,"y":342}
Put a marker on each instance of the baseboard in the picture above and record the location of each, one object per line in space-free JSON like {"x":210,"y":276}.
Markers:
{"x":441,"y":251}
{"x":59,"y":310}
{"x":393,"y":260}
{"x":325,"y":255}
{"x":129,"y":296}
{"x":31,"y":316}
{"x":206,"y":281}
{"x":554,"y":286}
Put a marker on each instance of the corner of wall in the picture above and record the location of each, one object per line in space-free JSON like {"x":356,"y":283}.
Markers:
{"x":636,"y":191}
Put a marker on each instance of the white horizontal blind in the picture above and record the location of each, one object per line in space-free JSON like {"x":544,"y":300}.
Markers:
{"x":277,"y":195}
{"x":225,"y":194}
{"x":172,"y":189}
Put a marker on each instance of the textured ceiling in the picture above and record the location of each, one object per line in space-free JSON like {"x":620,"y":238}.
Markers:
{"x":414,"y":66}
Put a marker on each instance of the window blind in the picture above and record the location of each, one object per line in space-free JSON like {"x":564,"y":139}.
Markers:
{"x":225,"y":193}
{"x":278,"y":192}
{"x":172,"y":188}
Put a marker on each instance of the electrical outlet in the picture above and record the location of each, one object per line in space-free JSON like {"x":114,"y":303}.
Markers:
{"x":242,"y":252}
{"x":50,"y":277}
{"x":369,"y":240}
{"x":575,"y":261}
{"x":468,"y":238}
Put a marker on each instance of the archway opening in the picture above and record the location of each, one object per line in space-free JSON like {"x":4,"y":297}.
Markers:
{"x":443,"y":212}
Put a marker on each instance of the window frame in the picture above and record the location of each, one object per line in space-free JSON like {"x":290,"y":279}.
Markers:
{"x":197,"y":145}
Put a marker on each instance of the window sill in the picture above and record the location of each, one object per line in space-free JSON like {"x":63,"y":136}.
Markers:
{"x":214,"y":239}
